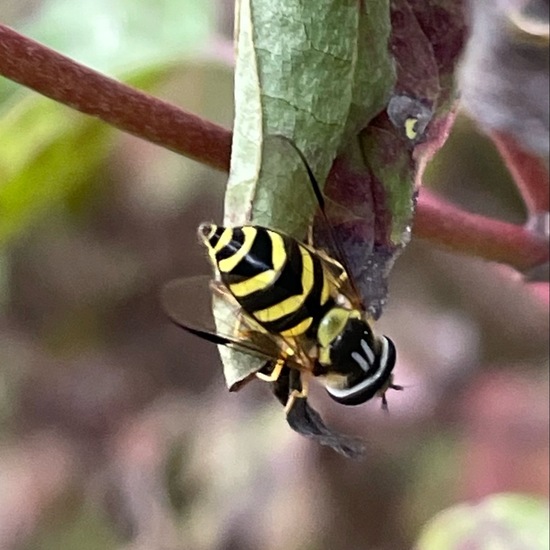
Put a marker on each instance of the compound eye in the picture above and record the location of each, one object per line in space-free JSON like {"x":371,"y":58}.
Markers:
{"x":332,"y":325}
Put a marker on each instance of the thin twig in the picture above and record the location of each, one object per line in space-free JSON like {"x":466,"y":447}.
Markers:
{"x":451,"y":227}
{"x":528,"y":170}
{"x":66,"y":81}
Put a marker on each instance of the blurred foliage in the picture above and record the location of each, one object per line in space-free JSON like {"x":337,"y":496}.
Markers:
{"x":61,"y":160}
{"x":113,"y":35}
{"x":66,"y":147}
{"x":37,"y":173}
{"x":469,"y":172}
{"x":499,"y":522}
{"x":434,"y":463}
{"x":505,"y":74}
{"x":87,"y":528}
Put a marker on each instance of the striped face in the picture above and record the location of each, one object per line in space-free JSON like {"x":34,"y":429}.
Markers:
{"x":365,"y":360}
{"x":276,"y":280}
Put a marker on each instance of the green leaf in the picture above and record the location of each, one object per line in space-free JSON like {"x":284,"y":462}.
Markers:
{"x":391,"y":164}
{"x":499,"y":522}
{"x":315,"y":73}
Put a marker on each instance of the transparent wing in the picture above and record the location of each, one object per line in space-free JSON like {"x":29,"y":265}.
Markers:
{"x":188,"y":303}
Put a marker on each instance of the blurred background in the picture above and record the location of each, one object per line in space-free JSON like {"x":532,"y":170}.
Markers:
{"x":116,"y":429}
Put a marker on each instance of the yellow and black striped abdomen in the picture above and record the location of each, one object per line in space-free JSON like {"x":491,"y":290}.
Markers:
{"x":276,"y":280}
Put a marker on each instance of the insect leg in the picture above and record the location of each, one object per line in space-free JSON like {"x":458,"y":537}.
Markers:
{"x":391,"y":386}
{"x":275,"y":373}
{"x":299,"y":389}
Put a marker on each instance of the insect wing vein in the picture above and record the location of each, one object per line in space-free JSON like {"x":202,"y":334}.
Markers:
{"x":188,"y":303}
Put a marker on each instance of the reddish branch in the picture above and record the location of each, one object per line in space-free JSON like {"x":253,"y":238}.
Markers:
{"x":62,"y":79}
{"x":81,"y":88}
{"x":451,"y":227}
{"x":529,"y":173}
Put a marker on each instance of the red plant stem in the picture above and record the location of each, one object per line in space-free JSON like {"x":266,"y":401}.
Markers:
{"x":66,"y":81}
{"x":451,"y":227}
{"x":528,"y":170}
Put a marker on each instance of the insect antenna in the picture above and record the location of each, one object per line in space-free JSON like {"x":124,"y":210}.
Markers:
{"x":392,"y":386}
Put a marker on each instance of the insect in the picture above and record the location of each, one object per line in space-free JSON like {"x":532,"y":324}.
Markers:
{"x":295,"y":307}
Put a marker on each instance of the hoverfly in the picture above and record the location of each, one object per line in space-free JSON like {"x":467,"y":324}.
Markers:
{"x":295,"y":307}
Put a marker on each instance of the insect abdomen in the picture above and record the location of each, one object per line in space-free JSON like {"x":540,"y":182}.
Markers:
{"x":275,"y":279}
